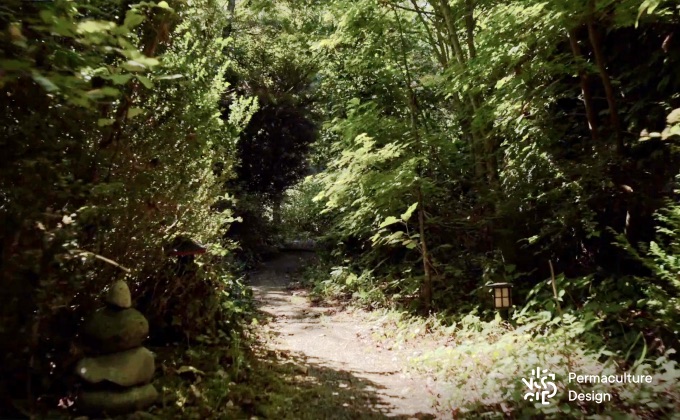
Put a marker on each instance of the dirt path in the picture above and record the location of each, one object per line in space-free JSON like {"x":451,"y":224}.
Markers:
{"x":348,"y":375}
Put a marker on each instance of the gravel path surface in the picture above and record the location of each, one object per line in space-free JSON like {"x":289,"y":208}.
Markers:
{"x":332,"y":347}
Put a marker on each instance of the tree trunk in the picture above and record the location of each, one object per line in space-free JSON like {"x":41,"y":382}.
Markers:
{"x":445,"y":9}
{"x":426,"y":286}
{"x":470,"y":27}
{"x":441,"y":54}
{"x":483,"y":147}
{"x":585,"y":87}
{"x":601,"y":63}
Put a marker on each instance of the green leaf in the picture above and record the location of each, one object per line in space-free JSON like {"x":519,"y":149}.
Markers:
{"x":647,"y":6}
{"x":145,"y":81}
{"x":103,"y":122}
{"x":125,"y":44}
{"x":44,"y":82}
{"x":110,"y":91}
{"x":170,"y":77}
{"x":395,"y":236}
{"x":95,"y":26}
{"x":140,"y":63}
{"x":103,"y":92}
{"x":133,"y":112}
{"x":147,"y":61}
{"x":63,"y":26}
{"x":119,"y":79}
{"x":133,"y":19}
{"x":134,"y":66}
{"x":389,"y":221}
{"x":46,"y":15}
{"x":409,"y":212}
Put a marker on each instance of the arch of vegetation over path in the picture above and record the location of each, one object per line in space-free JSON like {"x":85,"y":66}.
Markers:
{"x":265,"y":176}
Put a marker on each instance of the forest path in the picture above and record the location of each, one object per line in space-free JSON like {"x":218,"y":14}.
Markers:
{"x":341,"y":372}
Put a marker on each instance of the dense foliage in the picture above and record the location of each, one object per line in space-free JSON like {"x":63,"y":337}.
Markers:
{"x":446,"y":143}
{"x":479,"y":141}
{"x":111,"y":133}
{"x":273,"y":148}
{"x":469,"y":142}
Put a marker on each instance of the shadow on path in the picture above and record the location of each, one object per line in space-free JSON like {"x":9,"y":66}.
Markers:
{"x":309,"y":390}
{"x":321,"y":364}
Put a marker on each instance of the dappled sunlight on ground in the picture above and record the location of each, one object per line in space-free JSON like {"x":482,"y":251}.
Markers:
{"x":339,"y":371}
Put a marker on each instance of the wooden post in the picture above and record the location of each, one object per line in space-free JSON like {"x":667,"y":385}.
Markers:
{"x":554,"y":287}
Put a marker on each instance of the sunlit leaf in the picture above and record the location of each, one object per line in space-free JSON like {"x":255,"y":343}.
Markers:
{"x":134,"y":66}
{"x":407,"y":215}
{"x":44,"y":82}
{"x":133,"y":112}
{"x":390,"y":220}
{"x":170,"y":77}
{"x":133,"y":19}
{"x":94,"y":26}
{"x":120,"y":79}
{"x":145,"y":81}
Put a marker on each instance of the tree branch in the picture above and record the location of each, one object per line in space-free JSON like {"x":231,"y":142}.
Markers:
{"x":585,"y":87}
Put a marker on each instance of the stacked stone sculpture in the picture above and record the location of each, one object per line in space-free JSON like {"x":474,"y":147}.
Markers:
{"x":118,"y":371}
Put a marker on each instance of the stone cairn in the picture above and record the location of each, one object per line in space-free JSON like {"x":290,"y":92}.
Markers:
{"x":118,"y":370}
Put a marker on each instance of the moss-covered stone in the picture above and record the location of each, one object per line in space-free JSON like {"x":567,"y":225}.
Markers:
{"x":111,"y":330}
{"x":117,"y":402}
{"x":127,"y":368}
{"x":119,"y":295}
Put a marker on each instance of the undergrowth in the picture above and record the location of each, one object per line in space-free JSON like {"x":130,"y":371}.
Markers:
{"x":481,"y":366}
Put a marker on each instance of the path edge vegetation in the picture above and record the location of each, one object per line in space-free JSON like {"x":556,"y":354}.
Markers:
{"x":448,"y":144}
{"x":501,"y":94}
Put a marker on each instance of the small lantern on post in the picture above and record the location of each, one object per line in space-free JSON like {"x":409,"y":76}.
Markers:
{"x":502,"y":297}
{"x":184,"y":248}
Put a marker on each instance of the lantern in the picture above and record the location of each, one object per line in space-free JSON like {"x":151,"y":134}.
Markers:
{"x":183,"y":246}
{"x":502,"y":295}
